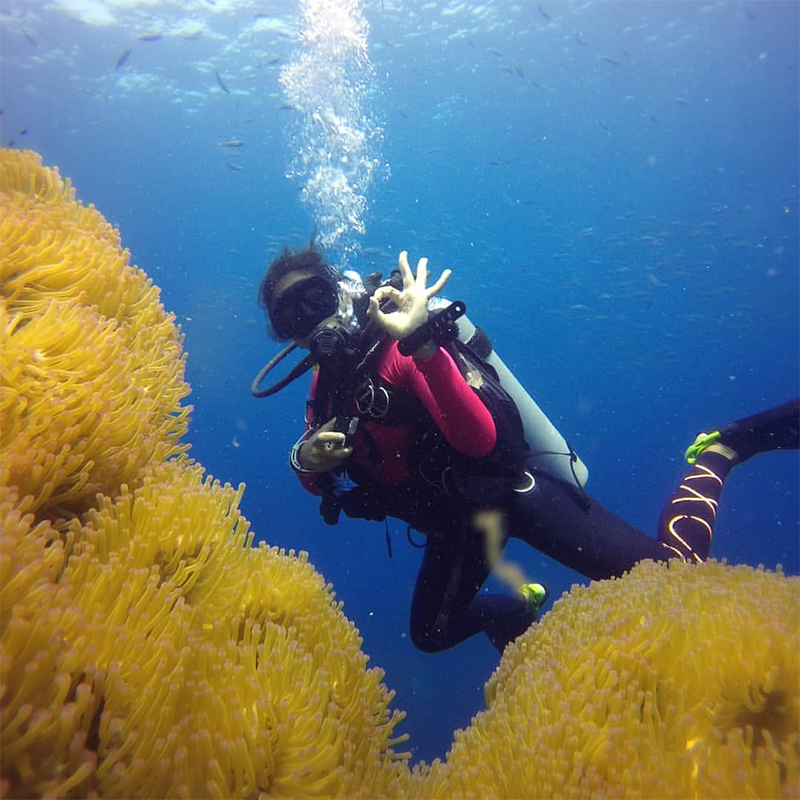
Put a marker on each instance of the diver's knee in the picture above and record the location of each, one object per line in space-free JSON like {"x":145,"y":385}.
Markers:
{"x":428,"y":638}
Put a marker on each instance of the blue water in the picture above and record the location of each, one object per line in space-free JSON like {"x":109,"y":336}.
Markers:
{"x":613,"y":184}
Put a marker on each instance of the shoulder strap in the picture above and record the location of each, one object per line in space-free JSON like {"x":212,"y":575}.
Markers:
{"x":337,"y":381}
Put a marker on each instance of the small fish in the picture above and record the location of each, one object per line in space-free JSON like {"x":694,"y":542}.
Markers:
{"x":123,"y":57}
{"x":221,"y":83}
{"x":542,"y":11}
{"x":234,"y":167}
{"x":287,"y":107}
{"x":682,"y":100}
{"x":654,"y":279}
{"x":231,"y":143}
{"x":23,"y":132}
{"x":581,"y":42}
{"x":609,"y":60}
{"x":149,"y":37}
{"x":30,"y":39}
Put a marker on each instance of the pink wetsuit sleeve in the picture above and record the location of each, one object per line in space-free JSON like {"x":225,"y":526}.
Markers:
{"x":310,"y":483}
{"x":456,"y":409}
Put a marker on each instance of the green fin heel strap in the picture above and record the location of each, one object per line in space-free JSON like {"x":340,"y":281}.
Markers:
{"x":700,"y":445}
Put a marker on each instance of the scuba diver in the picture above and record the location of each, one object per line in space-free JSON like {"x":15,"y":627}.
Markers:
{"x":413,"y":416}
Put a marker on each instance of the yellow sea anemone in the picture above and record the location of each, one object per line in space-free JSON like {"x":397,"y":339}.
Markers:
{"x":674,"y":681}
{"x":131,"y":666}
{"x":147,"y":648}
{"x":91,"y":366}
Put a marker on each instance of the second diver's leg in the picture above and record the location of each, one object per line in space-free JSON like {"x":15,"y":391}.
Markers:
{"x":687,"y":520}
{"x":776,"y":428}
{"x":447,"y":606}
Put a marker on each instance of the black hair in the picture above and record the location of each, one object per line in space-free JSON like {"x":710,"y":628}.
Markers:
{"x":308,"y":261}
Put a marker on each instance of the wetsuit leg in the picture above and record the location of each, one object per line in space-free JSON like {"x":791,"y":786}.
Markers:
{"x":774,"y":429}
{"x":687,"y":520}
{"x":447,"y":607}
{"x":563,"y":523}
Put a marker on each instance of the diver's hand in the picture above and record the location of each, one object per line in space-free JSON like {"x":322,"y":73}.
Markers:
{"x":411,"y":302}
{"x":324,"y":450}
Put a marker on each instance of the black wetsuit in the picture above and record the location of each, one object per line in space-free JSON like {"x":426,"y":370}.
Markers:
{"x":560,"y":521}
{"x":553,"y":516}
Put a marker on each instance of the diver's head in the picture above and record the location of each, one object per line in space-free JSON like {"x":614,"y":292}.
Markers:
{"x":302,"y":295}
{"x":298,"y":292}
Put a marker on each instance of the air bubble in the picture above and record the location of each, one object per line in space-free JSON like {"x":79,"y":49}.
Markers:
{"x":336,"y":139}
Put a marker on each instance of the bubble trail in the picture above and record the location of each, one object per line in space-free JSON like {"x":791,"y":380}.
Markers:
{"x":334,"y":139}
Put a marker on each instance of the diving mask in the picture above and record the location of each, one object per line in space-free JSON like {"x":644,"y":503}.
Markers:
{"x":302,"y":307}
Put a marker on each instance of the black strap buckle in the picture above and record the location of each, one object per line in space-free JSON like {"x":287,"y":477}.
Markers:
{"x":440,"y":328}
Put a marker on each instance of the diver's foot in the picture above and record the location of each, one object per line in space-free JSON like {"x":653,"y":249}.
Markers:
{"x":775,"y":429}
{"x":535,"y":595}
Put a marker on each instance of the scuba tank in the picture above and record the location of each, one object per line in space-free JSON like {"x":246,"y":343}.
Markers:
{"x":548,"y":449}
{"x":551,"y":452}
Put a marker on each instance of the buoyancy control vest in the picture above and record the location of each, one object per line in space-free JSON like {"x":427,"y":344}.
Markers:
{"x":439,"y":473}
{"x":432,"y":460}
{"x":550,"y":452}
